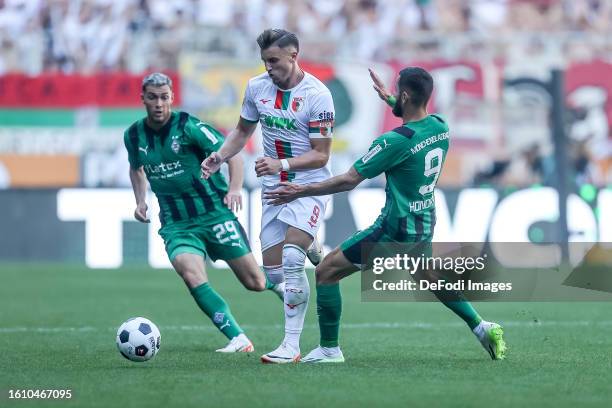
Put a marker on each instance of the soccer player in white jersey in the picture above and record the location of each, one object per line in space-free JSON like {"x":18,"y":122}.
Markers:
{"x":296,"y":112}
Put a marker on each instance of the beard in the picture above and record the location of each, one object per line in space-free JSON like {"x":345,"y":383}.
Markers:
{"x":397,"y":109}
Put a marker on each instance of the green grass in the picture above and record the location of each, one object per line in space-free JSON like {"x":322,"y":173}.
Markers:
{"x":58,"y":325}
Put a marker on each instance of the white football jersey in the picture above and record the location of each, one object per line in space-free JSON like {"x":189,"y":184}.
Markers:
{"x":289,"y":119}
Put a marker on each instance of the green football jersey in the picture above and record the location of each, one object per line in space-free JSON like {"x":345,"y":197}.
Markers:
{"x":411,"y":156}
{"x":171,"y":158}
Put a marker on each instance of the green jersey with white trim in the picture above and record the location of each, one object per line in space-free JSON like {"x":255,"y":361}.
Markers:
{"x":411,"y":156}
{"x":171,"y":158}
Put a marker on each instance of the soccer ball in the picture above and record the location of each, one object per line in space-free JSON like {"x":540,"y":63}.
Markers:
{"x":138,"y":339}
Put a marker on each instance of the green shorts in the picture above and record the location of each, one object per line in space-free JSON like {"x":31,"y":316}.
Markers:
{"x":360,"y":241}
{"x":225,"y":240}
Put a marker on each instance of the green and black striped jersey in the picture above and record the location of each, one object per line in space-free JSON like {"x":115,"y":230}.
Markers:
{"x":411,"y":156}
{"x":171,"y":158}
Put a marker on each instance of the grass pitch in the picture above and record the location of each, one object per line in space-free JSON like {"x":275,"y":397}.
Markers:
{"x":58,"y":326}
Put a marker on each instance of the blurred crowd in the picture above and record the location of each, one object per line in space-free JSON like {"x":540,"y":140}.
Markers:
{"x":86,"y":36}
{"x":92,"y":35}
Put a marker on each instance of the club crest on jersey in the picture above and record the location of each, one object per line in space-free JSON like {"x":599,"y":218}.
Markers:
{"x":325,"y":128}
{"x":175,"y":146}
{"x":297,"y":103}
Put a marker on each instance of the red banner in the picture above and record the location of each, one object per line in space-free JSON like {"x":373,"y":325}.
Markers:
{"x":112,"y":90}
{"x":588,"y":87}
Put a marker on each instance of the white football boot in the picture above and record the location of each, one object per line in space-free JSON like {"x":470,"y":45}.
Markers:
{"x":490,"y":336}
{"x":315,"y":252}
{"x":282,"y":355}
{"x":239,"y":344}
{"x":324,"y":355}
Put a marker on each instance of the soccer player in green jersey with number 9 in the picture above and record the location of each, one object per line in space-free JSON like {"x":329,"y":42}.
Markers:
{"x":411,"y":156}
{"x":167,"y":148}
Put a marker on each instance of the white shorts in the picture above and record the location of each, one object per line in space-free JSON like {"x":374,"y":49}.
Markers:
{"x":305,"y":214}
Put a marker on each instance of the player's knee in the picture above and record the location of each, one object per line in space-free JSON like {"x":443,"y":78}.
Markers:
{"x":191,"y":277}
{"x":250,"y":274}
{"x":293,"y":256}
{"x":256,"y":283}
{"x":324,"y":273}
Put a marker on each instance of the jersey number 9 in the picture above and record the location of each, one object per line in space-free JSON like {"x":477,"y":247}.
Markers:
{"x":433,"y":166}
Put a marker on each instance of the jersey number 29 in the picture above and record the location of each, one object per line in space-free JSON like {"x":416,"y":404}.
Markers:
{"x":226,"y":232}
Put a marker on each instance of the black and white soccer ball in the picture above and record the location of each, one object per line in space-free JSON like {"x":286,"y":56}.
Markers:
{"x":138,"y":339}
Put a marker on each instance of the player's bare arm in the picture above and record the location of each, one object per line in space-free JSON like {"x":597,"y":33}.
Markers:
{"x":381,"y":89}
{"x":315,"y":158}
{"x":139,"y":185}
{"x":233,"y":198}
{"x":234,"y":143}
{"x":288,"y":192}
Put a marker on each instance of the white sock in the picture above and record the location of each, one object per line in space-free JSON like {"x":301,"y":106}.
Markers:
{"x":297,"y":293}
{"x":274,"y":273}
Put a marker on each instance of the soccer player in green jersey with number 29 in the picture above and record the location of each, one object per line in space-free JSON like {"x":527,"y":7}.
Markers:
{"x":411,"y":156}
{"x":167,"y":148}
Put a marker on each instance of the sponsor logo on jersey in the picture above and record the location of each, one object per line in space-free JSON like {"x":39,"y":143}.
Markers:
{"x":371,"y":154}
{"x":162,"y":167}
{"x":144,"y":149}
{"x":325,"y":115}
{"x":297,"y":103}
{"x":278,"y":123}
{"x":264,"y":101}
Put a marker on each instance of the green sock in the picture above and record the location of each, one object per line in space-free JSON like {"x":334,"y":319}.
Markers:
{"x":269,"y":284}
{"x":216,"y":309}
{"x":329,"y":309}
{"x":466,"y":311}
{"x":456,"y":302}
